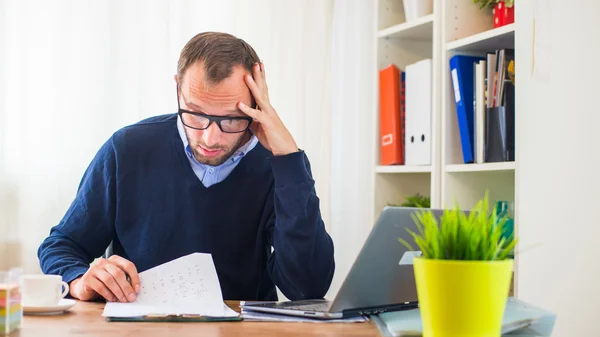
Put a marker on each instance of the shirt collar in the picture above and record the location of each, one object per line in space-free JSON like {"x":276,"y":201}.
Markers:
{"x":237,"y":155}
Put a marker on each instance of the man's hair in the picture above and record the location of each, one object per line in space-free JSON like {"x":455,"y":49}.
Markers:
{"x":220,"y":53}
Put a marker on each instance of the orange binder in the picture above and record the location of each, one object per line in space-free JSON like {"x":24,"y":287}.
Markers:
{"x":391,"y":142}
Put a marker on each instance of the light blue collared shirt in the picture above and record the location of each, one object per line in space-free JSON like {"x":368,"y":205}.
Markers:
{"x":210,"y":175}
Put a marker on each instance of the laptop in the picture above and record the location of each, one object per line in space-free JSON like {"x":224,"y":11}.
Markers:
{"x":381,"y":278}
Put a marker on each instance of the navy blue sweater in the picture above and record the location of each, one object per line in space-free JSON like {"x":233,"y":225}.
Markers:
{"x":141,"y":193}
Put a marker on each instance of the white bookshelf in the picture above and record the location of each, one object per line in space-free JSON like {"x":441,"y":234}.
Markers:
{"x":501,"y":37}
{"x":485,"y":167}
{"x":403,"y":43}
{"x":469,"y":30}
{"x":454,"y":27}
{"x":402,"y":169}
{"x":420,"y":29}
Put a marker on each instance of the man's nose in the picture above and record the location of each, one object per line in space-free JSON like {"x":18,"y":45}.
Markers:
{"x":211,"y":135}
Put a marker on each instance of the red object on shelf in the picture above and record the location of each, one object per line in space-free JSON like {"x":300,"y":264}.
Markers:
{"x":503,"y":15}
{"x":391,"y":142}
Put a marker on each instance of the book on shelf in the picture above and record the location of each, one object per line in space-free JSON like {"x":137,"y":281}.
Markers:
{"x":484,"y":98}
{"x":403,"y":113}
{"x":479,"y":104}
{"x":391,"y":115}
{"x":418,"y":113}
{"x":462,"y":74}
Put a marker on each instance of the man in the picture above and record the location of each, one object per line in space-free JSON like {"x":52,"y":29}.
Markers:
{"x":222,"y":176}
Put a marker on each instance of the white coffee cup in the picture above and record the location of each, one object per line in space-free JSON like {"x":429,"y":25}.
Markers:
{"x":43,"y":290}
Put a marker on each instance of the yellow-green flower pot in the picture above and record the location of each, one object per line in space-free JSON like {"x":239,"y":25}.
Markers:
{"x":462,"y":298}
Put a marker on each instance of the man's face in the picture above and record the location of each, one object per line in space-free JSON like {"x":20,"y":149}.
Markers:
{"x":213,"y":146}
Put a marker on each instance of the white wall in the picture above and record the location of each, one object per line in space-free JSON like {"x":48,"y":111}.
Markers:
{"x":558,"y":165}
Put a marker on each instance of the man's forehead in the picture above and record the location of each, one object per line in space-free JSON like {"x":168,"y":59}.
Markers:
{"x":234,"y":84}
{"x":196,"y":73}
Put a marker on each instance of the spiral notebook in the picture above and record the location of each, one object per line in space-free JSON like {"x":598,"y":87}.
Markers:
{"x":185,"y":289}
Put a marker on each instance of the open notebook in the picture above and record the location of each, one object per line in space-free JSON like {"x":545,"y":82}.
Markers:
{"x":185,"y":289}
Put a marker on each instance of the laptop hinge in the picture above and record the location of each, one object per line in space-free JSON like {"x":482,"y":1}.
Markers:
{"x":379,"y":309}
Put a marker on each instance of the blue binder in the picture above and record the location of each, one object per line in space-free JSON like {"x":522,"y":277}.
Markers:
{"x":462,"y":73}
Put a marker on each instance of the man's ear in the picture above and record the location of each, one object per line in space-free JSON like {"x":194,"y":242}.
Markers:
{"x":176,"y":79}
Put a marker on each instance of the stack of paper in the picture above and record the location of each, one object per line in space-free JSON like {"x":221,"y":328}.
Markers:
{"x":185,"y":287}
{"x":520,"y":319}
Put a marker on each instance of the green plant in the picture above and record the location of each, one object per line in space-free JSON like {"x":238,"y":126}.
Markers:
{"x":492,"y":3}
{"x":477,"y":236}
{"x":416,"y":200}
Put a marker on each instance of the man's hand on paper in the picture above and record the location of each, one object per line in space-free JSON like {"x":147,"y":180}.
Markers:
{"x":108,"y":278}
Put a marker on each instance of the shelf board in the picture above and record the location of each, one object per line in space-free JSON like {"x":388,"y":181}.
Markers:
{"x":490,"y":40}
{"x":500,"y":166}
{"x":402,"y":169}
{"x":419,"y":29}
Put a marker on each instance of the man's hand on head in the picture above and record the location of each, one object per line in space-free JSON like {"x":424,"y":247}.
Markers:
{"x":267,"y":126}
{"x":108,"y":278}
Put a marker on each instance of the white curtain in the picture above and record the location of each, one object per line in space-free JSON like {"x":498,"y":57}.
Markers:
{"x":73,"y":72}
{"x":353,"y":94}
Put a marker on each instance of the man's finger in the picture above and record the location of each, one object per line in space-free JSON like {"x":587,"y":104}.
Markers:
{"x":110,"y":282}
{"x":257,"y":75}
{"x":99,"y":287}
{"x":263,"y":75}
{"x":256,"y":92}
{"x":262,"y":71}
{"x":122,"y":281}
{"x":255,"y":114}
{"x":129,"y":268}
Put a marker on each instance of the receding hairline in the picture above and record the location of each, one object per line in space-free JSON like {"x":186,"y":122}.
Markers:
{"x":219,"y":52}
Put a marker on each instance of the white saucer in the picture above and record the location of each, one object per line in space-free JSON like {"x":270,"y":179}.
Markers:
{"x":62,"y":306}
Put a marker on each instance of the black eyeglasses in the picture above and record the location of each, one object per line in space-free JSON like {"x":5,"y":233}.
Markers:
{"x":200,"y":121}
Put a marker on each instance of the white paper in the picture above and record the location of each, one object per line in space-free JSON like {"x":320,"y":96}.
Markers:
{"x":188,"y":285}
{"x":542,"y":41}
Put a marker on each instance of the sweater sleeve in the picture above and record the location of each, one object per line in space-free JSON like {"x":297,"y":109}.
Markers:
{"x":87,"y":227}
{"x":302,"y":262}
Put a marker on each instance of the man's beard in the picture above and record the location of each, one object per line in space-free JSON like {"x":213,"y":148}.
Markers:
{"x":214,"y":161}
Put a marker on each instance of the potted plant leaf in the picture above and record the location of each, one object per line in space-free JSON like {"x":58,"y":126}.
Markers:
{"x":463,"y":274}
{"x":503,"y":10}
{"x":417,"y":200}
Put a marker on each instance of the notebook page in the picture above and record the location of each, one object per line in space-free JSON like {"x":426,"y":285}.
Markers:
{"x":188,"y":285}
{"x":115,"y":309}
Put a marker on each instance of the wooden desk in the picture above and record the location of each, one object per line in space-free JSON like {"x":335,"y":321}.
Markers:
{"x":84,"y":319}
